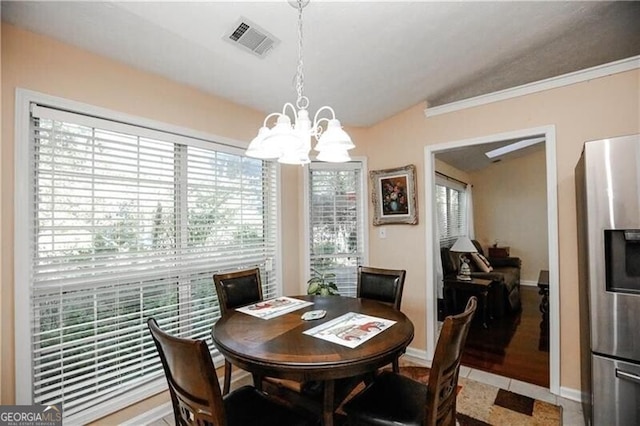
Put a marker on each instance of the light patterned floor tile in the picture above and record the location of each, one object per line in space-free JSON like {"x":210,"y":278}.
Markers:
{"x":464,"y":371}
{"x":532,"y":391}
{"x":489,"y":378}
{"x":572,"y":418}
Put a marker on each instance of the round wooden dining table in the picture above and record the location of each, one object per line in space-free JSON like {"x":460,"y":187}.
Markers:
{"x":278,"y":348}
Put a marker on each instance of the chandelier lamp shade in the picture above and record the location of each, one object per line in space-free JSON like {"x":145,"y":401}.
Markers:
{"x":289,"y":140}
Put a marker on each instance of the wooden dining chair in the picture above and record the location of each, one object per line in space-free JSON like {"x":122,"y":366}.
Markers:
{"x":195,"y":390}
{"x":392,"y":399}
{"x":383,"y":285}
{"x":236,"y":289}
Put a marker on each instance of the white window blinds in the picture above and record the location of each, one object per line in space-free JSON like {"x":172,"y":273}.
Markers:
{"x":129,"y":223}
{"x":451,"y":211}
{"x":336,"y":222}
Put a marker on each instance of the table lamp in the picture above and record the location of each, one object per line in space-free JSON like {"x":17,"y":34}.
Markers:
{"x":464,"y":245}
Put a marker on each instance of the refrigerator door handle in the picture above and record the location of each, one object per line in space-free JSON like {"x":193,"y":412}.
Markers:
{"x":627,"y":376}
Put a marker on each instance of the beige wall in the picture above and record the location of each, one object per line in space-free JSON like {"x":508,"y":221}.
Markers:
{"x":510,"y":205}
{"x":37,"y":63}
{"x":40,"y":64}
{"x":595,"y":109}
{"x":452,"y":172}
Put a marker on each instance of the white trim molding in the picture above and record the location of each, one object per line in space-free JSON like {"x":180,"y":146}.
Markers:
{"x":570,"y":393}
{"x":604,"y":70}
{"x":148,"y":417}
{"x":549,"y":134}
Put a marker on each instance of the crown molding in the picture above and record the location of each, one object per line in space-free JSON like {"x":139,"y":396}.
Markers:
{"x":538,"y":86}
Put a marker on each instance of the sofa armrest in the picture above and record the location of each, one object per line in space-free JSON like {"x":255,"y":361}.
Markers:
{"x":505,"y":261}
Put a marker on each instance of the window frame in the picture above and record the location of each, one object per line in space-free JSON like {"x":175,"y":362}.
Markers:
{"x":462,"y":189}
{"x":23,"y":215}
{"x":356,"y":162}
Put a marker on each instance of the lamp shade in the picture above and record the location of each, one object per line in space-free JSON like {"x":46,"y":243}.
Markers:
{"x":258,"y":149}
{"x":295,"y":157}
{"x":334,"y":138}
{"x":335,"y":156}
{"x":463,"y":245}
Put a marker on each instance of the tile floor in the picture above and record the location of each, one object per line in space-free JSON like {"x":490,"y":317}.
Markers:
{"x":571,"y":410}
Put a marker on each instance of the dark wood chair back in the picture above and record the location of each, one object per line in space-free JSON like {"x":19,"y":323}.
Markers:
{"x":238,"y":288}
{"x":394,"y":399}
{"x":443,"y":377}
{"x":383,"y":285}
{"x":193,"y":384}
{"x":235,"y":289}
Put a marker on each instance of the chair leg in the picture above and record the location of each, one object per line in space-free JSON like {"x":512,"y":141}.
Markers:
{"x":227,"y":377}
{"x":257,"y":380}
{"x":396,"y":366}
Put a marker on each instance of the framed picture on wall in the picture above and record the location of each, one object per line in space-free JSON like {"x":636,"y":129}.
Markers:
{"x":394,"y":195}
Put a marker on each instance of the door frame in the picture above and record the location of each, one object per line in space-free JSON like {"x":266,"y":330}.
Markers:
{"x":549,"y":133}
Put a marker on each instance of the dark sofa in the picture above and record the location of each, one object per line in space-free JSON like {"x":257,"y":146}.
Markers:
{"x":505,"y":292}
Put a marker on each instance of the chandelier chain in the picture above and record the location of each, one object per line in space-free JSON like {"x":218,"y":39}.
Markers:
{"x":302,"y":102}
{"x":289,"y":140}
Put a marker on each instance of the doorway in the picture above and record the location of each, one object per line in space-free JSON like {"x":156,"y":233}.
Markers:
{"x":547,"y":135}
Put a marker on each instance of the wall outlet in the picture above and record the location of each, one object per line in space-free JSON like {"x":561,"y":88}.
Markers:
{"x":382,"y":232}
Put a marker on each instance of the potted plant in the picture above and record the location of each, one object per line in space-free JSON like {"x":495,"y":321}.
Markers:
{"x":322,"y":284}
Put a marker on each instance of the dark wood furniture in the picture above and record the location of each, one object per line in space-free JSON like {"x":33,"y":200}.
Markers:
{"x":278,"y":347}
{"x":505,"y":276}
{"x":383,"y":285}
{"x":235,"y":289}
{"x":195,"y":390}
{"x":393,"y":399}
{"x":543,"y":285}
{"x":499,"y":251}
{"x":454,"y":288}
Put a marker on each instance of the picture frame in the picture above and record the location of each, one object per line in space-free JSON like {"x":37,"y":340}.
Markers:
{"x":394,"y":196}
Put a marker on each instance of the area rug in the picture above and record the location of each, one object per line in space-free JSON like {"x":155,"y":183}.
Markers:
{"x":479,"y":404}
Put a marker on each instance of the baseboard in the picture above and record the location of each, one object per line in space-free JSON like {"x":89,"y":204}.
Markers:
{"x":570,"y":393}
{"x":150,"y":416}
{"x":418,"y":356}
{"x":529,"y":283}
{"x":163,"y":410}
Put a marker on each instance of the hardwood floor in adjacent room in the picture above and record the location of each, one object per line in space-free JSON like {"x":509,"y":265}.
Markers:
{"x":515,"y":346}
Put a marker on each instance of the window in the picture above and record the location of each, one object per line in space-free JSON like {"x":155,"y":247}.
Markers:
{"x":451,"y":210}
{"x":336,"y":222}
{"x":128,"y":223}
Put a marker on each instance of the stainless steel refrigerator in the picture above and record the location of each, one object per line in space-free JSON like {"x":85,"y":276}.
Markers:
{"x":608,"y":207}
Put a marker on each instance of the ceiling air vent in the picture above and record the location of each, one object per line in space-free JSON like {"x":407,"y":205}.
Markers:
{"x":251,"y":38}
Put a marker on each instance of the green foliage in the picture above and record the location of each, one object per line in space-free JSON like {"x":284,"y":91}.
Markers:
{"x":322,"y":284}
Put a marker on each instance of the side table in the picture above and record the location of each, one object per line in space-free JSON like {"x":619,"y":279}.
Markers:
{"x":543,"y":285}
{"x":476,"y":286}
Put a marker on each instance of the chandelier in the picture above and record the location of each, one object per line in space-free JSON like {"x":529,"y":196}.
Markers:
{"x":290,"y":142}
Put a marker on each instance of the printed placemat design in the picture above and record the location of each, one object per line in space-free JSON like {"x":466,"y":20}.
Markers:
{"x":351,"y":329}
{"x":272,"y":308}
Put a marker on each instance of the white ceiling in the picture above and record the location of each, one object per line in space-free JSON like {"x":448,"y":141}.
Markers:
{"x":367,"y":59}
{"x":473,"y":158}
